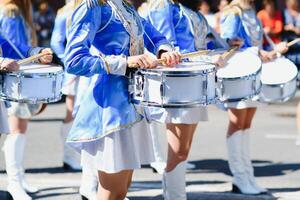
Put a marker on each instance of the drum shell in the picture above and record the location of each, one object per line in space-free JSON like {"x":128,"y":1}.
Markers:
{"x":238,"y":89}
{"x":278,"y":93}
{"x":32,"y":88}
{"x":174,"y":89}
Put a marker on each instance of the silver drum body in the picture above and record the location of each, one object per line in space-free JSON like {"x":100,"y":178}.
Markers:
{"x":190,"y":84}
{"x":33,"y":84}
{"x":240,"y":79}
{"x":279,"y":81}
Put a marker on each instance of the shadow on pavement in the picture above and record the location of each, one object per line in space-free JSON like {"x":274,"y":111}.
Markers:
{"x":263,"y":168}
{"x":214,"y":196}
{"x":49,"y":170}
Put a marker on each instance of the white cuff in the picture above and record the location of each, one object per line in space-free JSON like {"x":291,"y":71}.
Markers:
{"x":165,"y":47}
{"x":116,"y":65}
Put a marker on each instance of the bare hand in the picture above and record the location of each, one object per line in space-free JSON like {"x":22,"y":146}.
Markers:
{"x":236,"y":42}
{"x":171,"y":58}
{"x":267,"y":30}
{"x":142,"y":61}
{"x":218,"y":60}
{"x":46,"y":59}
{"x":9,"y":65}
{"x":282,"y":47}
{"x":267,"y":56}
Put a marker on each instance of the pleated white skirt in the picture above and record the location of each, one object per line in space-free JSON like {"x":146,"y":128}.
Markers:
{"x":122,"y":150}
{"x":3,"y":119}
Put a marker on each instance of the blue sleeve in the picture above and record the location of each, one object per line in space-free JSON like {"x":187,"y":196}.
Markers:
{"x":58,"y":39}
{"x":81,"y":35}
{"x":9,"y":52}
{"x":153,"y":39}
{"x":14,"y":30}
{"x":230,"y":26}
{"x":162,"y":20}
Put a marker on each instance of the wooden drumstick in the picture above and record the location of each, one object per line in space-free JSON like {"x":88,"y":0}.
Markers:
{"x":183,"y":56}
{"x":293,"y":42}
{"x":33,"y":58}
{"x":228,"y":54}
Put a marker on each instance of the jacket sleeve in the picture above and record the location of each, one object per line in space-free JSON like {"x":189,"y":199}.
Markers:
{"x":13,"y":29}
{"x":154,"y":40}
{"x":162,"y":19}
{"x":58,"y":39}
{"x":81,"y":36}
{"x":230,"y":26}
{"x":9,"y":52}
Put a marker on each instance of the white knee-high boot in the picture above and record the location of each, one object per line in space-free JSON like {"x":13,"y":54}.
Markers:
{"x":71,"y":157}
{"x":13,"y":150}
{"x":248,"y":163}
{"x":241,"y":183}
{"x":160,"y":161}
{"x":174,"y":183}
{"x":89,"y":183}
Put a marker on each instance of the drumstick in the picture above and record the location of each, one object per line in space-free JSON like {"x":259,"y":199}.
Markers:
{"x":228,"y":54}
{"x":183,"y":56}
{"x":33,"y":58}
{"x":293,"y":42}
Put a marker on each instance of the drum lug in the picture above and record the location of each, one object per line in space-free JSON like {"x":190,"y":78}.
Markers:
{"x":162,"y":89}
{"x":282,"y":90}
{"x":137,"y":86}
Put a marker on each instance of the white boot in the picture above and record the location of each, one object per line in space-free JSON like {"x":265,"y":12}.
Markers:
{"x":89,"y":183}
{"x":247,"y":162}
{"x":13,"y":151}
{"x":241,"y":183}
{"x":71,"y":157}
{"x":174,"y":183}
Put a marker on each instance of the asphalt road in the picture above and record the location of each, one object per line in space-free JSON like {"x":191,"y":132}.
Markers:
{"x":276,"y":159}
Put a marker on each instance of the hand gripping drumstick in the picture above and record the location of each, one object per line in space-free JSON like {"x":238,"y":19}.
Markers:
{"x":293,"y":42}
{"x":183,"y":56}
{"x":32,"y":58}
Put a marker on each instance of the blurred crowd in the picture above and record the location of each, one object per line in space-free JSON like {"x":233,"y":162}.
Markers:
{"x":280,"y":24}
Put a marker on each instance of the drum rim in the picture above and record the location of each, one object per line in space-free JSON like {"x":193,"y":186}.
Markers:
{"x":31,"y":100}
{"x":32,"y":75}
{"x":278,"y":84}
{"x":185,"y":72}
{"x":281,"y":99}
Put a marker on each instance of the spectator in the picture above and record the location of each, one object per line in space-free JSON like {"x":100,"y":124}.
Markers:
{"x":222,"y":5}
{"x":205,"y":9}
{"x":272,"y":22}
{"x":44,"y":18}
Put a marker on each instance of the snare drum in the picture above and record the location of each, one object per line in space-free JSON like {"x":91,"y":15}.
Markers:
{"x":279,"y":81}
{"x":34,"y":83}
{"x":189,"y":84}
{"x":240,"y":79}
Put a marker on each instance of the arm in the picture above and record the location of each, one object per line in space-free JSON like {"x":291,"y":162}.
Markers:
{"x":162,"y":19}
{"x":58,"y":39}
{"x":230,"y":26}
{"x":9,"y":52}
{"x":13,"y":29}
{"x":78,"y":59}
{"x":154,"y":40}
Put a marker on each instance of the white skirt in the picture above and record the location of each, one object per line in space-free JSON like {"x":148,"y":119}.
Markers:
{"x":244,"y":104}
{"x":3,"y":119}
{"x":123,"y":150}
{"x":70,"y":84}
{"x":177,"y":115}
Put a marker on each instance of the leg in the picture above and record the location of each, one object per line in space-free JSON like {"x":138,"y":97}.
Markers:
{"x":71,"y":158}
{"x":237,"y":122}
{"x":246,"y":150}
{"x":180,"y":138}
{"x":237,"y":119}
{"x":114,"y":186}
{"x":14,"y":147}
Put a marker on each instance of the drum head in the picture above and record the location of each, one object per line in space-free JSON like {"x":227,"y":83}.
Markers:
{"x":279,"y":71}
{"x":241,"y":64}
{"x":40,"y":68}
{"x":185,"y":67}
